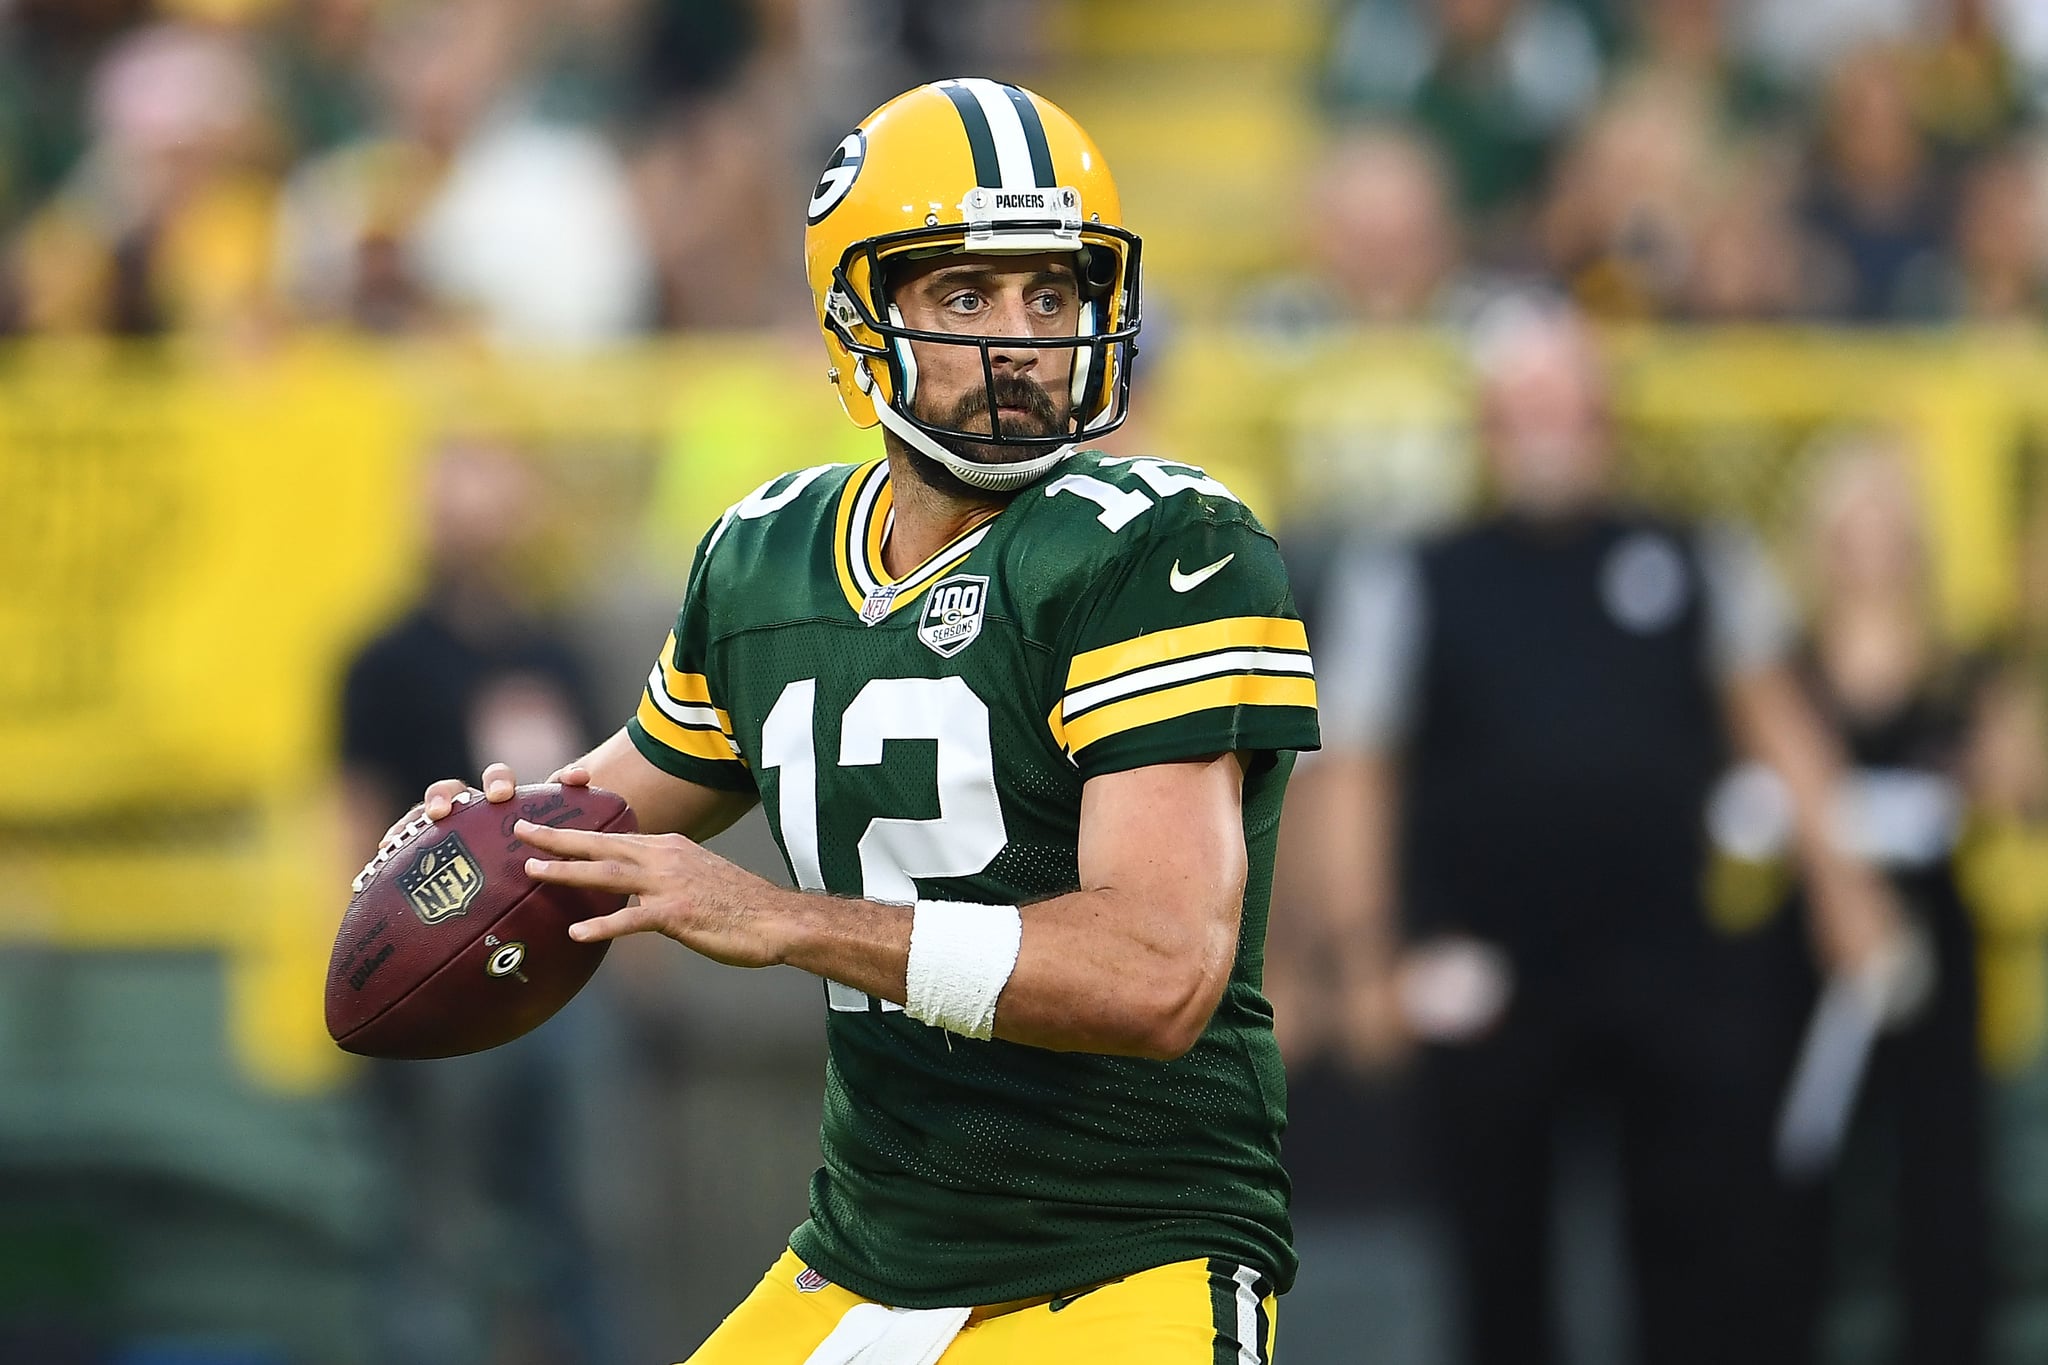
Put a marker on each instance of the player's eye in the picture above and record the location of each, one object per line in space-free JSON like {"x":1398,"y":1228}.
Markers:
{"x":1049,"y":302}
{"x":966,"y":302}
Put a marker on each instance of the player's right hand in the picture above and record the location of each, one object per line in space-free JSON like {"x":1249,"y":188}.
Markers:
{"x":498,"y":786}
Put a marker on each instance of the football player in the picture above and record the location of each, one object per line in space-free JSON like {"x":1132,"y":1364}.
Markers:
{"x":1020,"y":714}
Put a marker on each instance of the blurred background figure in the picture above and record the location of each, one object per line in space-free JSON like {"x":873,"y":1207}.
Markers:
{"x":1936,"y":742}
{"x":1384,"y":242}
{"x":471,"y":194}
{"x":1877,"y":205}
{"x":166,"y":221}
{"x":1524,"y":721}
{"x":488,"y":1160}
{"x":1496,"y":83}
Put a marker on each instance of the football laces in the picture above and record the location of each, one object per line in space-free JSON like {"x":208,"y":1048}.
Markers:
{"x":396,"y":843}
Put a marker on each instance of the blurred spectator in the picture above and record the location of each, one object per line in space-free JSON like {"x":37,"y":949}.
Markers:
{"x":1750,"y":261}
{"x":491,"y":1255}
{"x":1919,"y":722}
{"x":1384,"y":251}
{"x":1524,"y":720}
{"x":1962,"y":75}
{"x":1876,"y":201}
{"x":1619,"y":226}
{"x":858,"y":52}
{"x":2001,"y":241}
{"x":1385,"y":246}
{"x":1693,"y":43}
{"x":166,"y":221}
{"x":712,"y":171}
{"x":1957,"y":53}
{"x":47,"y":48}
{"x":470,"y":200}
{"x":1495,"y":82}
{"x":319,"y":54}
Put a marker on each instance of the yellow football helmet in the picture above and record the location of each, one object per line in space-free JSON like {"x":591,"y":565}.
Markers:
{"x":969,"y":165}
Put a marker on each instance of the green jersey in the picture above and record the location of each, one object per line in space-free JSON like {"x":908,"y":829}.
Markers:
{"x":928,"y":737}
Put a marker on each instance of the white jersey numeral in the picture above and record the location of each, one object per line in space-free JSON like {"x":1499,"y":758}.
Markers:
{"x":1122,"y":506}
{"x":968,"y":831}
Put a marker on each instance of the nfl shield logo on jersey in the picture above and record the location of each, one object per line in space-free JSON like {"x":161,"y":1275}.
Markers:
{"x":952,"y":613}
{"x":809,"y":1281}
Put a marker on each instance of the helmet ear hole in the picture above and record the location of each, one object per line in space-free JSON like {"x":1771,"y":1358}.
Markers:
{"x":1098,"y":271}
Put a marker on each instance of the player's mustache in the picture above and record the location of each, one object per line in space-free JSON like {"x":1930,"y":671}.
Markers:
{"x":1011,"y":391}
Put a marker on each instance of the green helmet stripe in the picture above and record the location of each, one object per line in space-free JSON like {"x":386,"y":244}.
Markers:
{"x":987,"y":170}
{"x":1034,"y":135}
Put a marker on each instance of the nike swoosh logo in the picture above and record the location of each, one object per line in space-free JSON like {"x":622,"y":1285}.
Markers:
{"x":1188,"y":582}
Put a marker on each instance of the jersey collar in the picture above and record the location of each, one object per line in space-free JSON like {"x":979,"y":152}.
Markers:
{"x":867,"y":509}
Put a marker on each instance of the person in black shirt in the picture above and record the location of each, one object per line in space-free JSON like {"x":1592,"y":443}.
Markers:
{"x":1524,"y":719}
{"x":1929,"y":733}
{"x":492,"y":1257}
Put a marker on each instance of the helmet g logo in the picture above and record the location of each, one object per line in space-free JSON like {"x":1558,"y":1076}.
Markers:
{"x":840,"y":173}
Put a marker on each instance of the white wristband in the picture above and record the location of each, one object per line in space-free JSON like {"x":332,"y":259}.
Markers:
{"x":961,"y":957}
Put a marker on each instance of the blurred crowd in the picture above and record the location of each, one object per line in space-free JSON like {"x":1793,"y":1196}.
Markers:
{"x":548,"y":175}
{"x":1854,"y":161}
{"x":402,"y":166}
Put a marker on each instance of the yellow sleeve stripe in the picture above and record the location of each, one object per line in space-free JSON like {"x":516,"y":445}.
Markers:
{"x":687,"y":689}
{"x":1238,"y":689}
{"x":709,"y":745}
{"x":1233,"y":632}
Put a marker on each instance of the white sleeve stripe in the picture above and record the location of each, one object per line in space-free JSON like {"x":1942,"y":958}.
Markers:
{"x":687,"y":714}
{"x":1183,"y":670}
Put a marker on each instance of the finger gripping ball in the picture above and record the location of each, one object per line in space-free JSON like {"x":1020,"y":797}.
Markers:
{"x":448,"y":946}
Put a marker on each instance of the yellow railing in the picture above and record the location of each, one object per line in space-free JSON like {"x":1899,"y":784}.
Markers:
{"x":191,"y":543}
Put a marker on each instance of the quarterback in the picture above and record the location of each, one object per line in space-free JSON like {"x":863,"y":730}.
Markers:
{"x":1020,"y":714}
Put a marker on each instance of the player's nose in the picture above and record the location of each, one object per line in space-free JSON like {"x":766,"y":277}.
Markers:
{"x":1013,"y":319}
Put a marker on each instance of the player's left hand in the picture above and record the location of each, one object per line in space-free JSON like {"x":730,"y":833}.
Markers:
{"x":679,"y":888}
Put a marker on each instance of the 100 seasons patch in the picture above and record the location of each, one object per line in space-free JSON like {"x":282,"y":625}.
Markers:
{"x":442,"y":881}
{"x":953,"y":612}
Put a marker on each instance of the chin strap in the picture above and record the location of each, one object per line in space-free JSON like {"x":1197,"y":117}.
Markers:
{"x":996,"y":478}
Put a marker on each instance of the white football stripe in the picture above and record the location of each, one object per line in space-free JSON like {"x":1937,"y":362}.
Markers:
{"x":1183,"y":670}
{"x":1013,"y":153}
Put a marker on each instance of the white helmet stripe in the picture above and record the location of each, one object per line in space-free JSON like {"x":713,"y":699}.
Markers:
{"x":1013,"y":151}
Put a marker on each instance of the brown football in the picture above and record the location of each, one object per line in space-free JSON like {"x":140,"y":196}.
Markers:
{"x":448,"y":946}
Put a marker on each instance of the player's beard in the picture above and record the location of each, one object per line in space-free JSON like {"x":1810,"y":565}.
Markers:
{"x":1042,"y":417}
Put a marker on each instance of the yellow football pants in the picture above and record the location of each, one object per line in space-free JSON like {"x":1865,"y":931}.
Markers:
{"x":1200,"y":1312}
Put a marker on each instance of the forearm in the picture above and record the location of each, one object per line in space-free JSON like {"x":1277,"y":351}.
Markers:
{"x":662,"y":804}
{"x":1852,"y":913}
{"x":1095,"y":972}
{"x":1778,"y":728}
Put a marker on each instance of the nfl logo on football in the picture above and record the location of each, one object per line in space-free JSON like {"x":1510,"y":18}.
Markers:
{"x":952,"y":613}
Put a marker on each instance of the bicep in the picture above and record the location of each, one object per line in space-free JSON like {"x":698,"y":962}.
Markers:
{"x":662,"y":802}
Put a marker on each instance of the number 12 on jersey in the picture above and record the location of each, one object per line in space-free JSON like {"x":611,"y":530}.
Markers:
{"x":965,"y":837}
